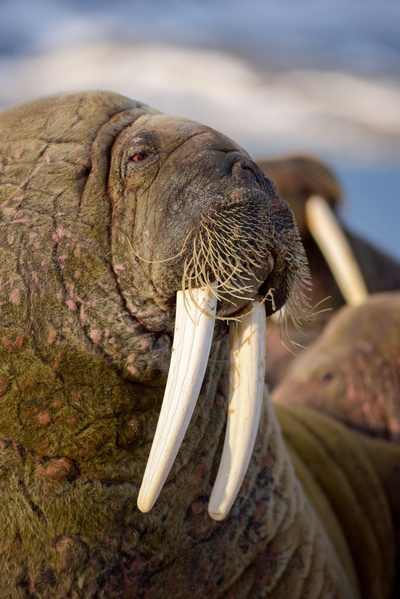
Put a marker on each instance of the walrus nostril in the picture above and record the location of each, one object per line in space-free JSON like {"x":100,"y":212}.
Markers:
{"x":243,"y":170}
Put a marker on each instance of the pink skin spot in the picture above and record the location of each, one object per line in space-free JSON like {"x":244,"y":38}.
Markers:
{"x":56,"y":470}
{"x":77,"y":274}
{"x":47,"y":158}
{"x":133,"y":370}
{"x":71,"y":304}
{"x":95,"y":336}
{"x":44,"y":418}
{"x":58,"y":403}
{"x":6,"y":342}
{"x":118,"y":267}
{"x":130,"y":359}
{"x":18,"y":154}
{"x":10,"y":239}
{"x":32,"y":234}
{"x":19,"y":341}
{"x":51,"y":337}
{"x":15,"y":298}
{"x":144,"y":346}
{"x":3,"y":385}
{"x":106,"y":333}
{"x":60,"y":232}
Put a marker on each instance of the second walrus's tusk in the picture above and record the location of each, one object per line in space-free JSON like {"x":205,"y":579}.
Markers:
{"x":246,"y":387}
{"x":192,"y":342}
{"x":334,"y":246}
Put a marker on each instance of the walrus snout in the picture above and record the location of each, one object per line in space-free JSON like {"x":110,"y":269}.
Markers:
{"x":192,"y":209}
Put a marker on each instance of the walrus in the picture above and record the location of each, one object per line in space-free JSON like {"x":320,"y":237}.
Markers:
{"x":352,"y":370}
{"x":140,"y":256}
{"x":345,"y":268}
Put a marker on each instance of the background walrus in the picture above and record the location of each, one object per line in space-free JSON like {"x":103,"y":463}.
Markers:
{"x":300,"y":179}
{"x":109,"y":209}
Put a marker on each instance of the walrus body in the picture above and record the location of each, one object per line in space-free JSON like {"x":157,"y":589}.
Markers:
{"x":104,"y":204}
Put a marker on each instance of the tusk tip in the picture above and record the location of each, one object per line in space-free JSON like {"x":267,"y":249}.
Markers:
{"x":216,"y":515}
{"x":218,"y":509}
{"x":145,"y":504}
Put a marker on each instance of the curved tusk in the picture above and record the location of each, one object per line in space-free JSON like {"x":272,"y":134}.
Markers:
{"x":246,"y":386}
{"x":191,"y":348}
{"x":333,"y":244}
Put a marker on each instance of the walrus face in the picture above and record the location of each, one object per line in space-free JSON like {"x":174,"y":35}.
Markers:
{"x":189,"y":208}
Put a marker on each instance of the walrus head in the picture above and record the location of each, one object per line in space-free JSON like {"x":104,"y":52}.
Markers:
{"x":132,"y":223}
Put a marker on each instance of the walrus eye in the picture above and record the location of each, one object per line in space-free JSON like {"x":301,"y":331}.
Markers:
{"x":140,"y":157}
{"x":325,"y":379}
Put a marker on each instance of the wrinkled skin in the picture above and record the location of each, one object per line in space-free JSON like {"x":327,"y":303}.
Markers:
{"x":296,"y":178}
{"x":88,"y":183}
{"x":352,"y":370}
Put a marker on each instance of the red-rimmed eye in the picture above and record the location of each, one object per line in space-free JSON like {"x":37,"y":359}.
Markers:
{"x":326,"y":379}
{"x":140,"y":157}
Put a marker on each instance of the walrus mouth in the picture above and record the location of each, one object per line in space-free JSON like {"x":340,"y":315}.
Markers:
{"x":194,"y":325}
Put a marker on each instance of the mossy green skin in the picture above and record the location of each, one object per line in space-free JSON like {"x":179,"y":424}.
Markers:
{"x":85,"y":344}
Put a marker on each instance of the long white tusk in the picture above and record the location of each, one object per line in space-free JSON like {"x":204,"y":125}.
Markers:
{"x":246,"y":385}
{"x":191,"y":348}
{"x":333,"y":244}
